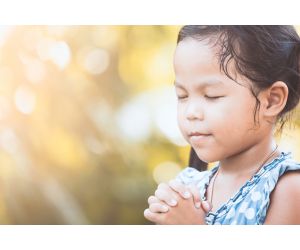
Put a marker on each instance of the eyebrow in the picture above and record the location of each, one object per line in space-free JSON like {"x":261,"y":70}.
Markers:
{"x":201,"y":85}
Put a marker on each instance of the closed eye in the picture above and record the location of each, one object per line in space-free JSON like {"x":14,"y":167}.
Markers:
{"x":213,"y":97}
{"x":181,"y":97}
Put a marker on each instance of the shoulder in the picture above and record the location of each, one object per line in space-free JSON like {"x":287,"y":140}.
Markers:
{"x":287,"y":186}
{"x":285,"y":200}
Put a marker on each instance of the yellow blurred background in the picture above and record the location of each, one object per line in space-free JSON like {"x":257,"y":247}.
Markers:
{"x":88,"y":122}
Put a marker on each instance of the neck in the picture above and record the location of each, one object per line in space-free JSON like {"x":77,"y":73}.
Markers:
{"x":250,"y":160}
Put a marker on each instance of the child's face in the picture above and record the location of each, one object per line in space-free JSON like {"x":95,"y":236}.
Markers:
{"x":222,"y":110}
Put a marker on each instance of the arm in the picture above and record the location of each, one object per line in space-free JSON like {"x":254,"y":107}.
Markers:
{"x":285,"y":201}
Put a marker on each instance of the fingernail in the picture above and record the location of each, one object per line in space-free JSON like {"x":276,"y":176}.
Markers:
{"x":198,"y":204}
{"x":187,"y":194}
{"x":173,"y":202}
{"x":165,"y":208}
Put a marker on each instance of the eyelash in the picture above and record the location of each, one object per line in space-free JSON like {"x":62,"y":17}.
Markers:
{"x":208,"y":97}
{"x":213,"y":97}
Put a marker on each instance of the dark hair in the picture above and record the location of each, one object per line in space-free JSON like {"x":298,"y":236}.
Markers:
{"x":263,"y":54}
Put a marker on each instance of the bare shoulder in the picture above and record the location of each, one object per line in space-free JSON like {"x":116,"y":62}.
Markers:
{"x":289,"y":180}
{"x":285,"y":200}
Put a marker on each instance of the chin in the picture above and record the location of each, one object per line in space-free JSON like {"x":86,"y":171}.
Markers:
{"x":207,"y":156}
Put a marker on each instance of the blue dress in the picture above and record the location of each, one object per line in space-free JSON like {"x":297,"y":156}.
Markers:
{"x":250,"y":204}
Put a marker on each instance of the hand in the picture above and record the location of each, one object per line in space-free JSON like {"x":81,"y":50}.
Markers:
{"x":166,"y":198}
{"x":183,"y":214}
{"x":166,"y":195}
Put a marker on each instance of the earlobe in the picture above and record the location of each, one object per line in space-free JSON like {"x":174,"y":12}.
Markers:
{"x":276,"y":98}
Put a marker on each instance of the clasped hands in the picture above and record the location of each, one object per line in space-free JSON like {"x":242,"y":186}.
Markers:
{"x":175,"y":203}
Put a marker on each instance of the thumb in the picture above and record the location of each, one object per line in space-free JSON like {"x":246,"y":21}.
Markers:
{"x":207,"y":206}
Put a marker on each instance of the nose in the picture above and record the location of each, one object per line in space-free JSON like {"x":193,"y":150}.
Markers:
{"x":194,"y":111}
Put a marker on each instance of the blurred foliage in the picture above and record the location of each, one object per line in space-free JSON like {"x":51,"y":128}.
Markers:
{"x":88,"y":122}
{"x":65,"y":157}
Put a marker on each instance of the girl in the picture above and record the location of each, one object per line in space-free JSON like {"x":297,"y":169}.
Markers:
{"x":234,"y":84}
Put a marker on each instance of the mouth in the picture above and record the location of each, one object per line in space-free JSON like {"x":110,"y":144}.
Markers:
{"x":197,"y":137}
{"x":197,"y":134}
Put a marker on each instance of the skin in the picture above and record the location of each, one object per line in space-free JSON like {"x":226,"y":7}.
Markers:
{"x":211,"y":103}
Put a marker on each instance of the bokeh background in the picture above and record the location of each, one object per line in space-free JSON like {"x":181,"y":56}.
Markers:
{"x":88,"y":122}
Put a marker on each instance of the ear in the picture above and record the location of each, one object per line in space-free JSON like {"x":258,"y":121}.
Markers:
{"x":274,"y":99}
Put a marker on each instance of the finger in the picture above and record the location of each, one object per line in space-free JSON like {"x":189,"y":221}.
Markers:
{"x":162,"y":185}
{"x":153,"y":199}
{"x":206,"y":205}
{"x":158,"y":208}
{"x":153,"y":217}
{"x":196,"y":195}
{"x":180,"y":188}
{"x":165,"y":196}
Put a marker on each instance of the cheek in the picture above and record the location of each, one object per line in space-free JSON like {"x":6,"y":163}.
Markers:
{"x":182,"y":121}
{"x":180,"y":118}
{"x":233,"y":119}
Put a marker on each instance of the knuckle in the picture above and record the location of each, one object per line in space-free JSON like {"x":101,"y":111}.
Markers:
{"x":179,"y":183}
{"x":186,"y":192}
{"x":172,"y":183}
{"x":158,"y":208}
{"x":153,"y":208}
{"x":151,"y":199}
{"x":150,"y":216}
{"x":176,"y":183}
{"x":175,"y":186}
{"x":157,"y":193}
{"x":161,"y":185}
{"x":146,"y":213}
{"x":160,"y":195}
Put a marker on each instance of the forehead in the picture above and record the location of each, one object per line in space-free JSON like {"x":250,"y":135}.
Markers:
{"x":197,"y":62}
{"x":209,"y":82}
{"x":191,"y":51}
{"x":194,"y":57}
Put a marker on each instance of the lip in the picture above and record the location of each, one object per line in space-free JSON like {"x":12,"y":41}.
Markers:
{"x":196,"y":137}
{"x":198,"y":134}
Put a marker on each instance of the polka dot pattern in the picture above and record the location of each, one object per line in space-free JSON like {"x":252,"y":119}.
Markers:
{"x":250,"y":204}
{"x":256,"y":196}
{"x":231,"y":213}
{"x":243,"y":207}
{"x":249,"y":213}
